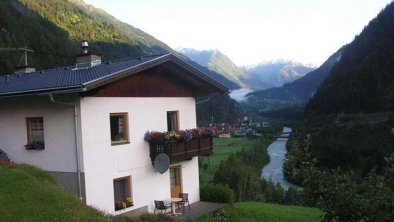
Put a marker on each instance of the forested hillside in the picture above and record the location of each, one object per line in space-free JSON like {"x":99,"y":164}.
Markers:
{"x":55,"y":28}
{"x":344,"y":154}
{"x":218,"y":109}
{"x":363,"y":80}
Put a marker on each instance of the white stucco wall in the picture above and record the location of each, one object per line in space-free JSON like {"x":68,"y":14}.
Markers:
{"x":104,"y":162}
{"x":59,"y":153}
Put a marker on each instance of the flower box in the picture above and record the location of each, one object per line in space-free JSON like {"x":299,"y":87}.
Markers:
{"x":35,"y":146}
{"x":124,"y":204}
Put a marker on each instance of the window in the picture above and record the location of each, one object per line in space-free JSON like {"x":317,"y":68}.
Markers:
{"x":35,"y":133}
{"x":119,"y":128}
{"x":172,"y":121}
{"x":122,"y":193}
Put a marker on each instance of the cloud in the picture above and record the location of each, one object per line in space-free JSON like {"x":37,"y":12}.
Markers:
{"x":240,"y":94}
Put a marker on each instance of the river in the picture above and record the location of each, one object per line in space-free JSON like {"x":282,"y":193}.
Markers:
{"x":274,"y":169}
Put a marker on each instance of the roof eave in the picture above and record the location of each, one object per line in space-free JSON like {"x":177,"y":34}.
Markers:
{"x":40,"y":92}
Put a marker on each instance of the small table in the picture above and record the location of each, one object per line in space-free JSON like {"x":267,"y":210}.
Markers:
{"x":173,"y":201}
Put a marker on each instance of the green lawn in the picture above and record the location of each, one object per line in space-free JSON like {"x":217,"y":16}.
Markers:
{"x":28,"y":194}
{"x":263,"y":212}
{"x":222,"y":148}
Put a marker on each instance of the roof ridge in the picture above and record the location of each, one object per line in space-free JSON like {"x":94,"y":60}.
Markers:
{"x":137,"y":57}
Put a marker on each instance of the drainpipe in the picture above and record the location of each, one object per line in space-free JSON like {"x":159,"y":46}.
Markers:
{"x":76,"y":141}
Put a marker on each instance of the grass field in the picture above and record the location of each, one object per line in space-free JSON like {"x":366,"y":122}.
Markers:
{"x":28,"y":194}
{"x":223,"y":147}
{"x":263,"y":212}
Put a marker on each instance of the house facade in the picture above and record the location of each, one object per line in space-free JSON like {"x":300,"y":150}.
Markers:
{"x":85,"y":125}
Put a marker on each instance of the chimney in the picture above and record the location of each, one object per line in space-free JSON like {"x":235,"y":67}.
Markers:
{"x":87,"y":59}
{"x":24,"y":69}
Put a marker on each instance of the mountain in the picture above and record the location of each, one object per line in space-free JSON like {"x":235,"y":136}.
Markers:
{"x":55,"y":28}
{"x":297,"y":92}
{"x":363,"y":80}
{"x":262,"y":76}
{"x":274,"y":74}
{"x":218,"y":62}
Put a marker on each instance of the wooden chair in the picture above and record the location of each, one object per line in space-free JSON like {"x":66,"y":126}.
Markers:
{"x":184,"y":201}
{"x":160,"y":205}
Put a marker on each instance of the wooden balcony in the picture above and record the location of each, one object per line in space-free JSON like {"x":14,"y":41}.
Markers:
{"x":179,"y":151}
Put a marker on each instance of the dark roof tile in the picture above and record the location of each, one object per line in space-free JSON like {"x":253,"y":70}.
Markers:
{"x":66,"y":77}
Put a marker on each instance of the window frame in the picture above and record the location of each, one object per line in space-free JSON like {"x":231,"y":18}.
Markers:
{"x":30,"y":143}
{"x":173,"y":116}
{"x":129,"y":192}
{"x":126,"y":138}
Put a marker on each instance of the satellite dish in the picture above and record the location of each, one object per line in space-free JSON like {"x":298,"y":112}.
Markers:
{"x":161,"y":163}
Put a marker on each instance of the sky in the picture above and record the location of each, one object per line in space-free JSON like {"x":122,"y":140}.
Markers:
{"x":250,"y":31}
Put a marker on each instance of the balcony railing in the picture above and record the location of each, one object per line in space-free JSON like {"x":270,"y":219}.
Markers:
{"x":179,"y":151}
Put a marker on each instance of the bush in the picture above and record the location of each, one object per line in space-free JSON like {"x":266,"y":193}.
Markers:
{"x":216,"y":193}
{"x":273,"y":193}
{"x":350,"y":197}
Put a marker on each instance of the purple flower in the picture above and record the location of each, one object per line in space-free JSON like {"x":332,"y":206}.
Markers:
{"x":147,"y":136}
{"x":188,"y":135}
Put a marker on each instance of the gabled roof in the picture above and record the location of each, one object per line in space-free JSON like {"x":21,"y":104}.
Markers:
{"x":68,"y":79}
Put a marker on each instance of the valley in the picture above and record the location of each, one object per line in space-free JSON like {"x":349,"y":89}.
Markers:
{"x":337,"y":164}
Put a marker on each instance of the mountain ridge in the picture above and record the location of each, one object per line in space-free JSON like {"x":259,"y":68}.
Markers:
{"x":299,"y":91}
{"x":261,"y":76}
{"x":275,"y":74}
{"x":217,"y":61}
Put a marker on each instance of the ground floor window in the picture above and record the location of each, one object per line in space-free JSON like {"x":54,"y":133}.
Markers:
{"x":35,"y":133}
{"x":122,"y":193}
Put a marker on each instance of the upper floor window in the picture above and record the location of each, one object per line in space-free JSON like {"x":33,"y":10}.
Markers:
{"x":35,"y":133}
{"x":119,"y":128}
{"x":172,"y":120}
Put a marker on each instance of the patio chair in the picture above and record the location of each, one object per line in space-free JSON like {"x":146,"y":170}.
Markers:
{"x":184,"y":201}
{"x":160,"y":205}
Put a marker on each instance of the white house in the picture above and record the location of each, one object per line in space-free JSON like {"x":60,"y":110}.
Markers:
{"x":85,"y":125}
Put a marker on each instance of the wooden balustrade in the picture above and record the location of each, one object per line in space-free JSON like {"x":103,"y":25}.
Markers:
{"x":179,"y":151}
